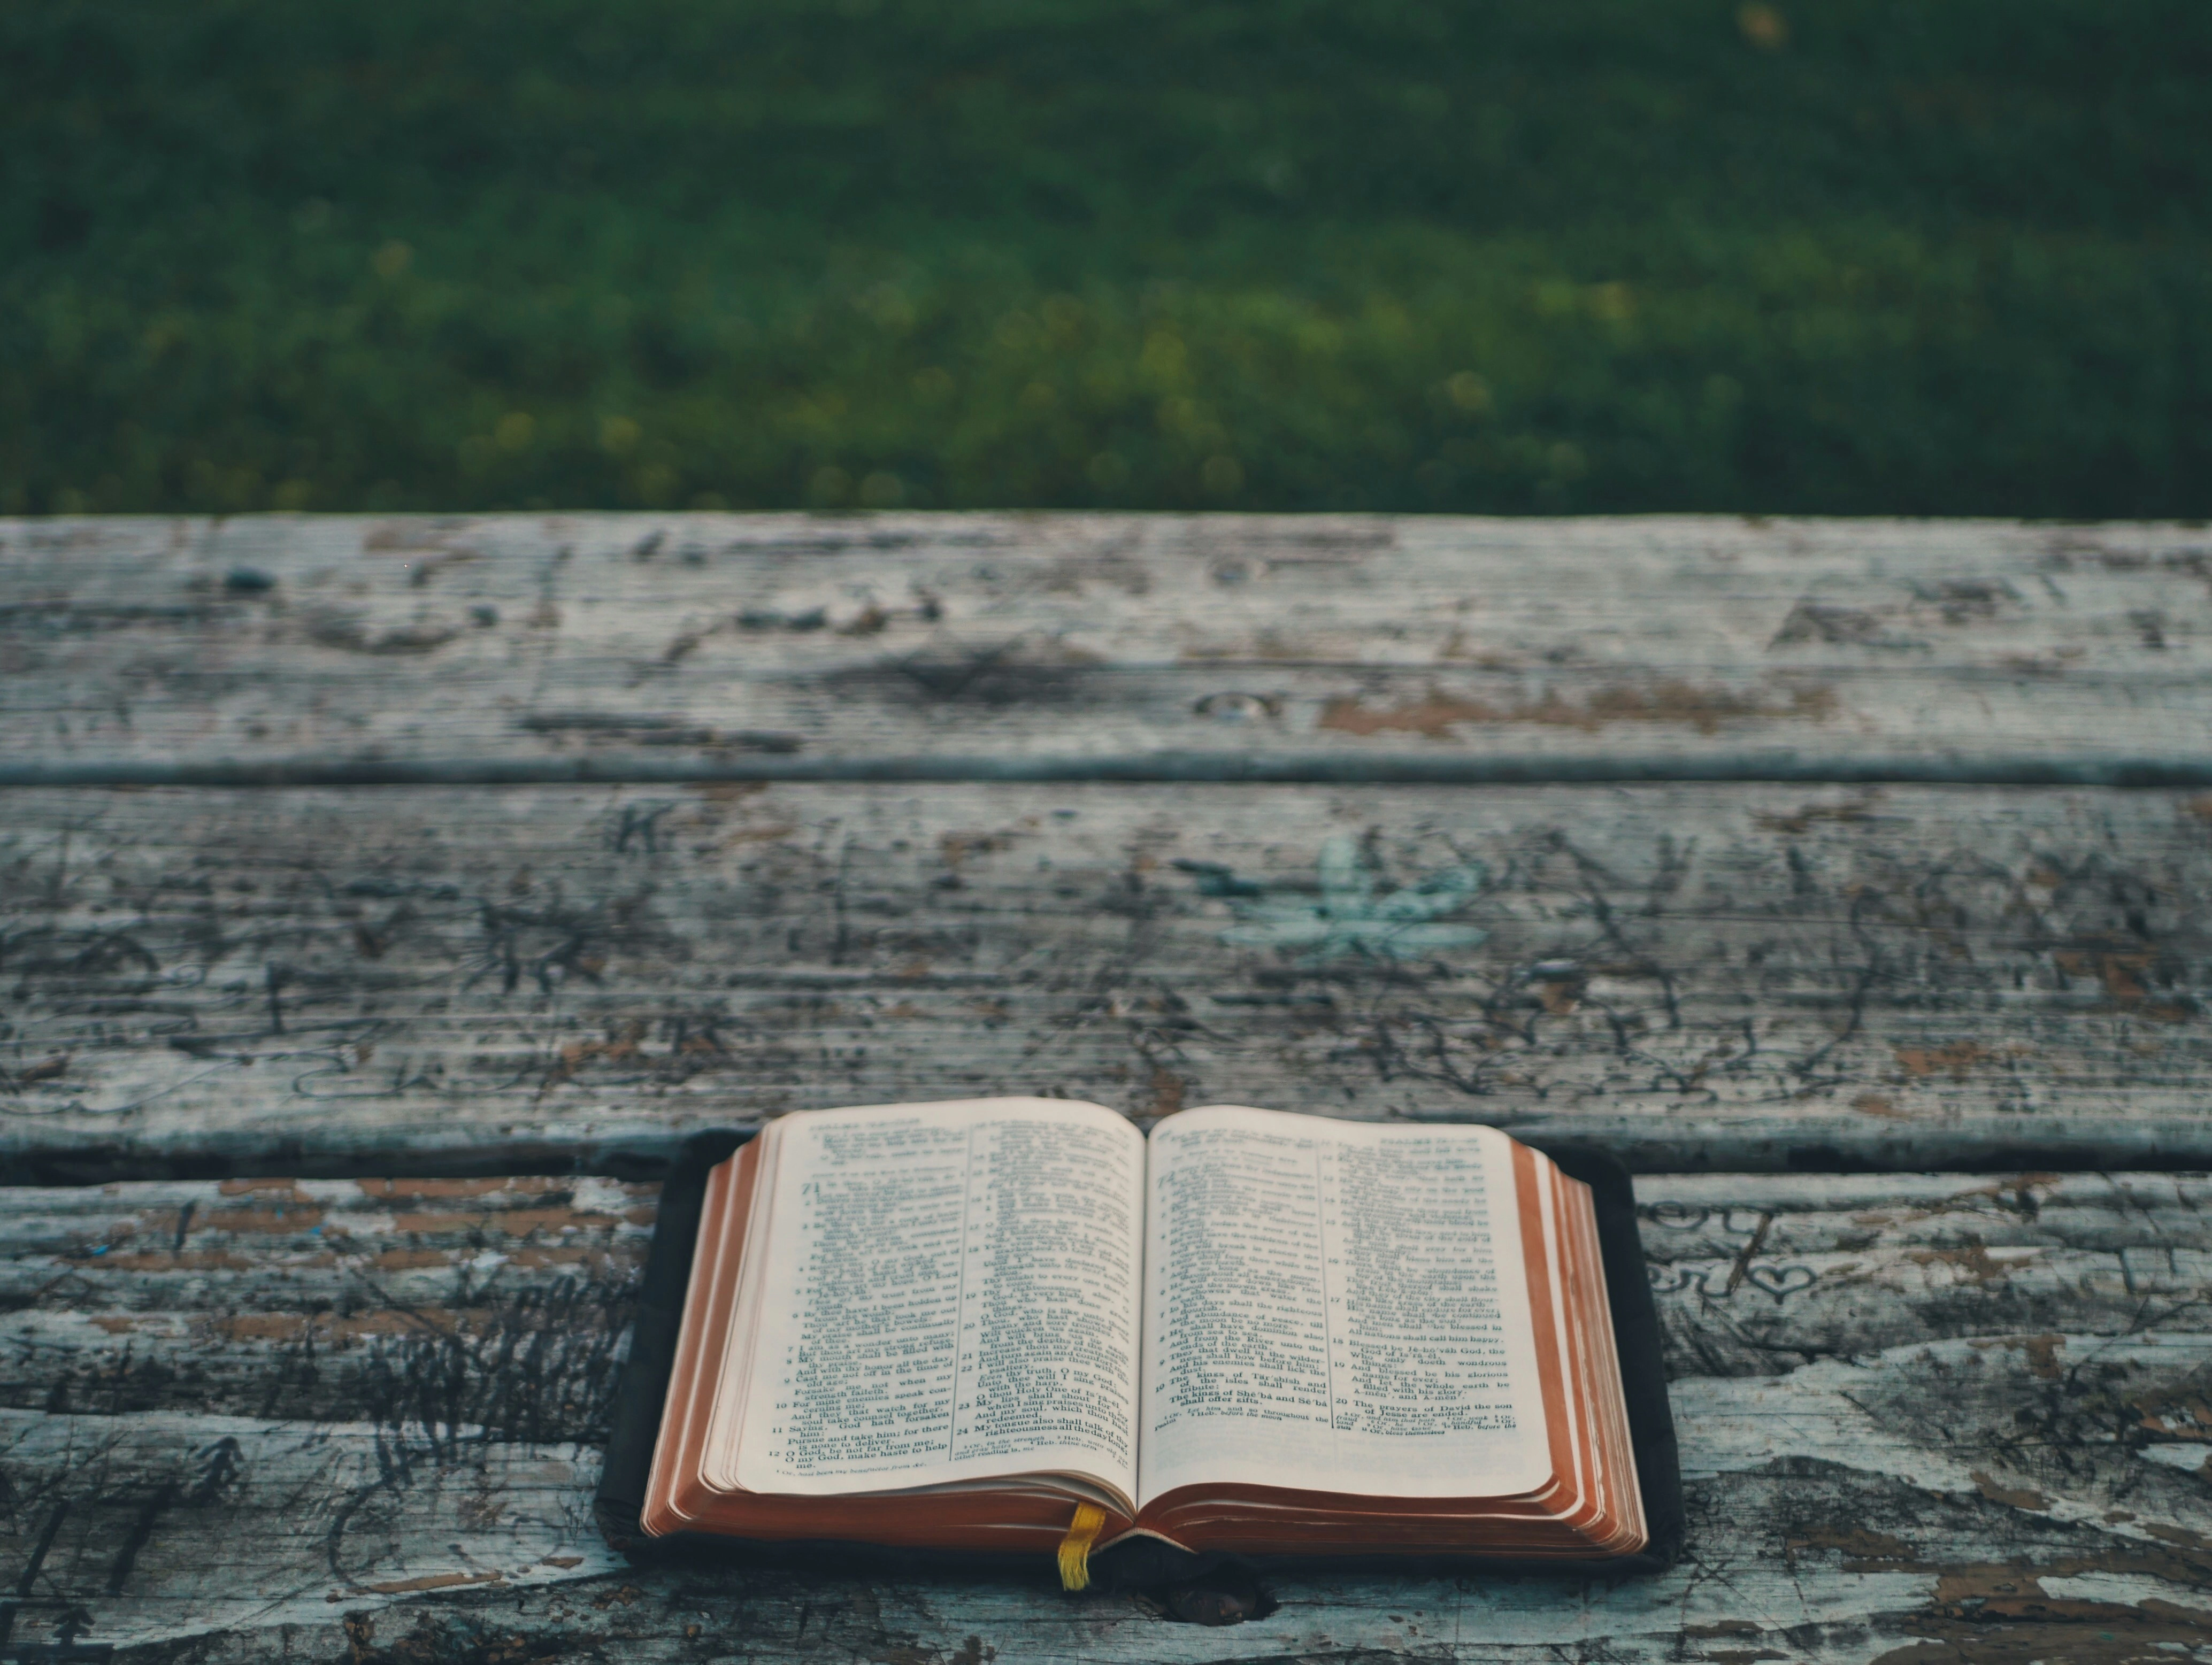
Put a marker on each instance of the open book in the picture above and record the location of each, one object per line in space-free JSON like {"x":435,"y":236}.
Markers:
{"x":952,"y":1325}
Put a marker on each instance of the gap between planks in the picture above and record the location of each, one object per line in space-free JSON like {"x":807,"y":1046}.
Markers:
{"x":641,"y":1154}
{"x":2120,"y":771}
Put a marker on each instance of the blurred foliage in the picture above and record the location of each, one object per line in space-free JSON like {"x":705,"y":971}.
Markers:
{"x":1845,"y":256}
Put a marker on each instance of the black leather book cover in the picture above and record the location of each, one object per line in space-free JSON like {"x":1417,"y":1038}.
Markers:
{"x":642,"y":1391}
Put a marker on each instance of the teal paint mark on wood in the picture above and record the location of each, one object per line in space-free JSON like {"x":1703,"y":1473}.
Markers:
{"x":1352,"y":914}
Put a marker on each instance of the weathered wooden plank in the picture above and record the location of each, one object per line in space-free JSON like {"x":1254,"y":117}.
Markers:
{"x":1744,"y":978}
{"x":661,"y":647}
{"x":1829,"y":1517}
{"x":236,"y":1521}
{"x":495,"y":1305}
{"x":2027,"y":1487}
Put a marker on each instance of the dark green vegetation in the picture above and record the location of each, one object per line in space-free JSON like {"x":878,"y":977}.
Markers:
{"x":1852,"y":256}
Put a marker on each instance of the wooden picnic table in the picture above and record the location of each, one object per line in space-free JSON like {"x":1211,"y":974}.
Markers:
{"x":381,"y":900}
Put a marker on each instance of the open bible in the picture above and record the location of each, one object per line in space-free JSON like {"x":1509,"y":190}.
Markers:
{"x":974,"y":1325}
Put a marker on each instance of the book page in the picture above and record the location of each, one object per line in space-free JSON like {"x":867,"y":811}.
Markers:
{"x":951,"y":1292}
{"x":1336,"y":1307}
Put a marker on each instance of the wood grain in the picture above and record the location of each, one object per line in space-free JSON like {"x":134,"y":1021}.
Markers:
{"x":493,"y":1306}
{"x":410,"y":980}
{"x":245,"y":1414}
{"x":1923,"y":1417}
{"x":667,"y":647}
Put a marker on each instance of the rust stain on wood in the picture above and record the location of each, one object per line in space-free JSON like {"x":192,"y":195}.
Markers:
{"x":1867,"y":1550}
{"x":306,"y":1218}
{"x":619,"y":1049}
{"x":161,"y":1261}
{"x":333,"y":1327}
{"x":432,"y":1581}
{"x":2042,"y":1351}
{"x":1955,"y":1060}
{"x":2123,"y":970}
{"x":1998,"y":1613}
{"x":774,"y":833}
{"x":2182,"y":1414}
{"x":578,"y":1255}
{"x":383,"y":1188}
{"x":957,"y":847}
{"x":2020,"y":1193}
{"x":1705,"y":709}
{"x":1558,"y":998}
{"x":1803,"y":819}
{"x":2013,"y":1497}
{"x":515,"y":1222}
{"x":1973,"y":1258}
{"x":2097,"y":1634}
{"x":412,"y":534}
{"x":2012,"y":1589}
{"x":411,"y":1260}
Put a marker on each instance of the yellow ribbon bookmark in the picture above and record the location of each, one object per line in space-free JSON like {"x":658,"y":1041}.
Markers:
{"x":1075,"y":1548}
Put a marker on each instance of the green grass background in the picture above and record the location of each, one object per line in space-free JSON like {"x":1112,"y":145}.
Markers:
{"x":1898,"y":256}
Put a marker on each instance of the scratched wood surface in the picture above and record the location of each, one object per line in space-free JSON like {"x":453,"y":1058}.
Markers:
{"x":655,"y":647}
{"x":421,"y":980}
{"x":918,"y":806}
{"x":1923,"y":1417}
